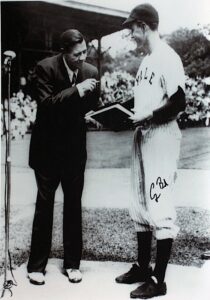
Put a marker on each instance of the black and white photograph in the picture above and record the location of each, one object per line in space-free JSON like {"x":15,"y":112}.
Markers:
{"x":105,"y":150}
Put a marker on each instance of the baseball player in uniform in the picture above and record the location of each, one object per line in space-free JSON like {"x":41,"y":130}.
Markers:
{"x":159,"y":97}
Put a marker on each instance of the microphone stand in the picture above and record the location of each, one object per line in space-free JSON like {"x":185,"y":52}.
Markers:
{"x":7,"y":193}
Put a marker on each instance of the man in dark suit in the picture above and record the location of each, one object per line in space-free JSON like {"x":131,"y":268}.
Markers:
{"x":66,"y":89}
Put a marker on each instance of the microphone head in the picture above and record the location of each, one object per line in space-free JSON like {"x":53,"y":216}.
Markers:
{"x":10,"y":54}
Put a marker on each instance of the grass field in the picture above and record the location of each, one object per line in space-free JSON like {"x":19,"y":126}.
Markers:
{"x":109,"y":233}
{"x":112,"y":149}
{"x":108,"y":149}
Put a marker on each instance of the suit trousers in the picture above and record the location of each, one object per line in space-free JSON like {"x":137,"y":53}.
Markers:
{"x":72,"y":183}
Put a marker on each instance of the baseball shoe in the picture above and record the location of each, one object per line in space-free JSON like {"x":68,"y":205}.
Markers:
{"x":149,"y":289}
{"x":134,"y":275}
{"x":74,"y":275}
{"x":36,"y":278}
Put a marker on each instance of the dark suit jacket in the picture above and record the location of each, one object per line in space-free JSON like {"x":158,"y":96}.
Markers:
{"x":59,"y":134}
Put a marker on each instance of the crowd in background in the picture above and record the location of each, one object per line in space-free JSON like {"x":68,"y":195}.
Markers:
{"x":198,"y":101}
{"x":115,"y":87}
{"x":23,"y":114}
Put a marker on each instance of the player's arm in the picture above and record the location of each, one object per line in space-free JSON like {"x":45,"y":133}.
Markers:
{"x":173,"y":90}
{"x":175,"y":104}
{"x":173,"y":84}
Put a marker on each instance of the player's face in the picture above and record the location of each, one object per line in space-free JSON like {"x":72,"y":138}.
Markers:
{"x":138,"y":33}
{"x":76,"y":56}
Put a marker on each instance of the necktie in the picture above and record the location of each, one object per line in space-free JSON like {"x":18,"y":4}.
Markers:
{"x":74,"y":79}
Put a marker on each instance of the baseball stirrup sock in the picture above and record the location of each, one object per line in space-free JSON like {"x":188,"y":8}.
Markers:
{"x":144,"y":249}
{"x":162,"y":258}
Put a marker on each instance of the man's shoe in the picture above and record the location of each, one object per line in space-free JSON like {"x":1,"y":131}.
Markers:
{"x":135,"y":274}
{"x":36,"y":278}
{"x":149,"y":289}
{"x":74,"y":275}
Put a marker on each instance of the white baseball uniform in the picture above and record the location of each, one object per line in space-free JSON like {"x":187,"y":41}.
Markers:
{"x":156,"y":149}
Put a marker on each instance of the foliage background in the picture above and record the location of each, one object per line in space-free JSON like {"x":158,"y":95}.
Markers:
{"x":193,"y":46}
{"x":118,"y":74}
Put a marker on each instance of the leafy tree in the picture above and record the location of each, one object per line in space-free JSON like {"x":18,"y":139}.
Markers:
{"x":194,"y":50}
{"x":193,"y":47}
{"x":124,"y":61}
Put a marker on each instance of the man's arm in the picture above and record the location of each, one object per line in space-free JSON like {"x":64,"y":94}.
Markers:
{"x":92,"y":98}
{"x":45,"y":89}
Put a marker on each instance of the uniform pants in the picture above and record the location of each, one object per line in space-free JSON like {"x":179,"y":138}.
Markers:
{"x":72,"y":185}
{"x":154,"y":168}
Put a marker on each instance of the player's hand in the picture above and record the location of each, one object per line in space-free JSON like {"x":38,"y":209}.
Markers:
{"x":141,"y":122}
{"x":88,"y":85}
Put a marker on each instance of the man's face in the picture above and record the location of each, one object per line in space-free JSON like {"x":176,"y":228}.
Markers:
{"x":138,"y":33}
{"x":76,"y":56}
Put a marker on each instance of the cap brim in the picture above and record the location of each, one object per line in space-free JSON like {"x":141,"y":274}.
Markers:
{"x":127,"y":22}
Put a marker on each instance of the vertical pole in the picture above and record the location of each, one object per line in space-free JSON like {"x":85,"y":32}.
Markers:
{"x":19,"y":62}
{"x":20,"y":71}
{"x":99,"y":63}
{"x":7,"y":179}
{"x":8,"y":163}
{"x":50,"y":40}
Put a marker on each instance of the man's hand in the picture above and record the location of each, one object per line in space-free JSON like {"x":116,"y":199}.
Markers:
{"x":94,"y":122}
{"x":87,"y":85}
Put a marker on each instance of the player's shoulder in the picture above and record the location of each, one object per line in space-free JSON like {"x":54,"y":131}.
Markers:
{"x":171,"y":64}
{"x":168,"y":52}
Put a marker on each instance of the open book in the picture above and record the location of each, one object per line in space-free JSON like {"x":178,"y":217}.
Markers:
{"x":115,"y":117}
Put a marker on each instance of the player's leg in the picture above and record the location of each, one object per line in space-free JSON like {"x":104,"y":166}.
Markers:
{"x":141,"y":271}
{"x":144,"y":250}
{"x":155,"y":285}
{"x":161,"y":209}
{"x":138,"y":212}
{"x":162,"y":258}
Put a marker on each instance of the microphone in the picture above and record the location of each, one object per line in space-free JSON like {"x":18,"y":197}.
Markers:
{"x":10,"y":55}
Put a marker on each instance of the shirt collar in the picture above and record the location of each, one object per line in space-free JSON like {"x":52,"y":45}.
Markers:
{"x":69,"y":71}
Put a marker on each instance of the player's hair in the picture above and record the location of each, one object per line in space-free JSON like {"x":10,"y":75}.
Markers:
{"x":69,"y":39}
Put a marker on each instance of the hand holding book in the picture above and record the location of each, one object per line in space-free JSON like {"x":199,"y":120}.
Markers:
{"x":115,"y":117}
{"x":141,"y":121}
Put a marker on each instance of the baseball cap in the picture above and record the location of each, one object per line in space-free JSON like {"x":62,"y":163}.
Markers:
{"x":145,"y":13}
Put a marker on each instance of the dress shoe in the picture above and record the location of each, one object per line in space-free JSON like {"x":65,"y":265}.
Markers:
{"x":135,"y":274}
{"x":149,"y":289}
{"x":36,"y":278}
{"x":74,"y":275}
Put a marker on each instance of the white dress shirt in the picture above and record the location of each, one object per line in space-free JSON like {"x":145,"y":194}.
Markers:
{"x":71,"y":74}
